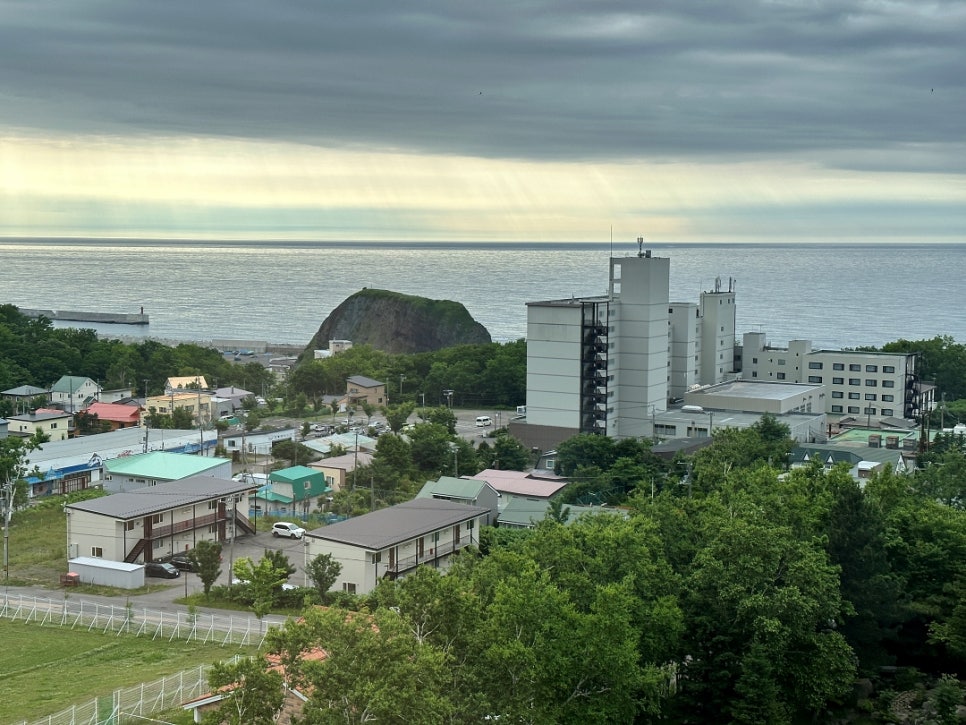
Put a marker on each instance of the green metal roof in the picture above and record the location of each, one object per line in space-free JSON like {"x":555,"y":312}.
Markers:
{"x":306,"y":482}
{"x":460,"y":488}
{"x":160,"y":464}
{"x":272,"y":496}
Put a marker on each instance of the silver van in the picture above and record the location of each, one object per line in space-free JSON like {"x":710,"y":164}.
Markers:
{"x":483,"y":420}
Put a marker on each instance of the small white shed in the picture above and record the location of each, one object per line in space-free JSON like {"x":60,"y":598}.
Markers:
{"x":91,"y":570}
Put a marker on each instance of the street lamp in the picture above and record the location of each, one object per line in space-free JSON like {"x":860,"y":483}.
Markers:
{"x":401,"y":378}
{"x":449,"y":398}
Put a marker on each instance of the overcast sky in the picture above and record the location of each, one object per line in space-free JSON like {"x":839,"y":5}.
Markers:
{"x":683,"y":120}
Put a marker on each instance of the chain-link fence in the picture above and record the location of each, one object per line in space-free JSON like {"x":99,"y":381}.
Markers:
{"x":142,"y":622}
{"x":130,"y":704}
{"x":134,"y":704}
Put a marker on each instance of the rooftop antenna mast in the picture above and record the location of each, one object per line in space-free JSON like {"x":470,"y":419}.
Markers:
{"x":640,"y":246}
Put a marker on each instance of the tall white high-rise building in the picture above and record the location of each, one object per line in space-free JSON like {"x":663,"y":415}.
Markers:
{"x":608,"y":364}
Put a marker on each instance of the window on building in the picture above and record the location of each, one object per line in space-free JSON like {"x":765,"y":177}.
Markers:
{"x":836,"y":408}
{"x":886,"y":398}
{"x":781,"y":361}
{"x":213,"y":529}
{"x":129,"y":526}
{"x":872,"y":368}
{"x":870,"y":383}
{"x":888,"y":411}
{"x":837,"y":394}
{"x":754,"y":361}
{"x":814,"y":378}
{"x":855,"y":367}
{"x":349,"y":587}
{"x":97,"y":551}
{"x":157,"y":519}
{"x":888,"y":368}
{"x":853,"y":409}
{"x":377,"y":557}
{"x":855,"y":381}
{"x":854,"y":396}
{"x":870,"y":396}
{"x":888,"y":383}
{"x":780,"y":376}
{"x":212,"y":505}
{"x":470,"y":525}
{"x":868,"y":411}
{"x":815,"y":366}
{"x":838,"y":366}
{"x":838,"y":381}
{"x":754,"y":373}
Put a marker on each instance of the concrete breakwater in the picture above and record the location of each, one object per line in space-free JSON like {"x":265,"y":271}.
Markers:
{"x":117,"y":318}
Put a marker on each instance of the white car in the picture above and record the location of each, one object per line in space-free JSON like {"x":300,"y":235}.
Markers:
{"x":289,"y":531}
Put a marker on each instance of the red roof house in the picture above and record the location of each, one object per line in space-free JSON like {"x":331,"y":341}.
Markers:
{"x":115,"y":415}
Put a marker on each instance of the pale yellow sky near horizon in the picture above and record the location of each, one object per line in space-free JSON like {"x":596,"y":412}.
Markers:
{"x":224,"y":188}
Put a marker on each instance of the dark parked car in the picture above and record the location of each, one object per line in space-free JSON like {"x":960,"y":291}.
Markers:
{"x":162,"y":570}
{"x":182,"y":562}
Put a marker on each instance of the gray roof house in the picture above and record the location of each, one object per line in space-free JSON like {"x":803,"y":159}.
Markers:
{"x":471,"y":491}
{"x":150,"y":523}
{"x":393,"y":541}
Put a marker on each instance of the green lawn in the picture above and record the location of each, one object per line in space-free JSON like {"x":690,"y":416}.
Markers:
{"x":46,"y":669}
{"x":38,"y":546}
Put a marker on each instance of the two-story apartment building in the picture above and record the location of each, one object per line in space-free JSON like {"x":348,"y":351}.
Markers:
{"x":871,"y":385}
{"x":390,"y":542}
{"x":128,"y":473}
{"x":147,"y":524}
{"x":359,"y":389}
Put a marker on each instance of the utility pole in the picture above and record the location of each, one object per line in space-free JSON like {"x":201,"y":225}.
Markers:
{"x":7,"y":513}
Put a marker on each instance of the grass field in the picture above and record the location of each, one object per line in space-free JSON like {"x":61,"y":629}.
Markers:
{"x":46,"y":669}
{"x":38,"y":546}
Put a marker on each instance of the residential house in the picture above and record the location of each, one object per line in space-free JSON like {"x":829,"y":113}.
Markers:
{"x":55,"y":424}
{"x":73,"y":393}
{"x":535,"y":485}
{"x":294,"y":491}
{"x":23,"y":396}
{"x":524,"y":513}
{"x":129,"y":473}
{"x":360,"y":389}
{"x":197,"y":403}
{"x":150,"y":523}
{"x":228,"y":400}
{"x":471,"y":491}
{"x":114,"y":415}
{"x":185,"y":382}
{"x":116,"y":395}
{"x":337,"y":469}
{"x":390,"y":542}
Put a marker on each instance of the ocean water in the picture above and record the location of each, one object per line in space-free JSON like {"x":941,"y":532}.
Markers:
{"x":837,"y":295}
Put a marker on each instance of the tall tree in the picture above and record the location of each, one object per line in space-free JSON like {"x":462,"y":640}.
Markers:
{"x":323,"y":571}
{"x":252,"y":694}
{"x":374,"y":670}
{"x":206,"y":558}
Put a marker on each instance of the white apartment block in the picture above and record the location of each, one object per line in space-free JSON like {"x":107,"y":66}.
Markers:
{"x":870,"y":385}
{"x":608,"y":364}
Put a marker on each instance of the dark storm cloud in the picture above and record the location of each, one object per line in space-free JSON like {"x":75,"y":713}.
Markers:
{"x":836,"y":82}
